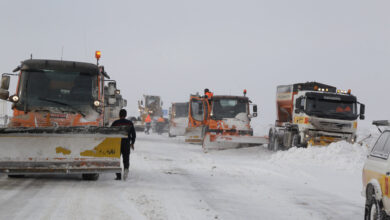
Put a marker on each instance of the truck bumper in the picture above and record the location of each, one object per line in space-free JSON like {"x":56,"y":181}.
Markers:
{"x":60,"y":167}
{"x":323,"y":138}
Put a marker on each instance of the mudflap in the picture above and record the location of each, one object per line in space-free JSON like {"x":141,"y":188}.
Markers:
{"x":223,"y":142}
{"x":194,"y":135}
{"x":60,"y":150}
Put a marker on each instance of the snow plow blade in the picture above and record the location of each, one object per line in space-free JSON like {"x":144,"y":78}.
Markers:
{"x":222,"y":142}
{"x":194,"y":135}
{"x":60,"y":150}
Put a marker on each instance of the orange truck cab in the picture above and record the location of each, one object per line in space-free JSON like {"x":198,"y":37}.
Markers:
{"x":221,"y":122}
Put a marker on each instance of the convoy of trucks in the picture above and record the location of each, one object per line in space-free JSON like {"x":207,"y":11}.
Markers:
{"x":313,"y":113}
{"x":62,"y":112}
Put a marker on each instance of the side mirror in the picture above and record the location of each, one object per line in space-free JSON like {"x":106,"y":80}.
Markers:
{"x":362,"y":111}
{"x":299,"y":106}
{"x":4,"y":94}
{"x":298,"y":103}
{"x":254,"y":114}
{"x":5,"y":82}
{"x":124,"y":103}
{"x":142,"y":102}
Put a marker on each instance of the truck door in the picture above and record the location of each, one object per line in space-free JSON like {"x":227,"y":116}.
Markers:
{"x":197,"y":112}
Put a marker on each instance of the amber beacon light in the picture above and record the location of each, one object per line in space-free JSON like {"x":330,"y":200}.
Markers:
{"x":97,"y":56}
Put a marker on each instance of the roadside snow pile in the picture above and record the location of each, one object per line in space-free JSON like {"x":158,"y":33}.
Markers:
{"x":340,"y":155}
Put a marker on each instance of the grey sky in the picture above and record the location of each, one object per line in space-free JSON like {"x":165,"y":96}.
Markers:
{"x":174,"y":48}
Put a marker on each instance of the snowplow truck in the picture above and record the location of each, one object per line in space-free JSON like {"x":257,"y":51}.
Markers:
{"x":178,"y":119}
{"x":150,"y":105}
{"x":58,"y":121}
{"x":221,"y":122}
{"x":313,"y":113}
{"x":115,"y":102}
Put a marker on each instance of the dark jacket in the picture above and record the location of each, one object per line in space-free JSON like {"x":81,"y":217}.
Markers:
{"x":131,"y":134}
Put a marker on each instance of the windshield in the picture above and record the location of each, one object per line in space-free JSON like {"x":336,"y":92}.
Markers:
{"x":229,"y":108}
{"x":181,"y":110}
{"x":152,"y":101}
{"x":337,"y":109}
{"x":49,"y":88}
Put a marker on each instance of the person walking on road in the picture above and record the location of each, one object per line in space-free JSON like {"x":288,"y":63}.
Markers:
{"x":148,"y":122}
{"x":126,"y":143}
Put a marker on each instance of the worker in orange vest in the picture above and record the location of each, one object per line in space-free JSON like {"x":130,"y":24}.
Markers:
{"x":148,"y":122}
{"x":160,"y":125}
{"x":208,"y":94}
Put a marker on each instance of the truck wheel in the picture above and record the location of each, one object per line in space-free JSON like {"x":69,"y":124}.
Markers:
{"x":90,"y":176}
{"x":276,"y":146}
{"x":270,"y":140}
{"x":296,"y":140}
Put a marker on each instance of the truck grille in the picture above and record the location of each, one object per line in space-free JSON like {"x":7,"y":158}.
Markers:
{"x":332,"y":126}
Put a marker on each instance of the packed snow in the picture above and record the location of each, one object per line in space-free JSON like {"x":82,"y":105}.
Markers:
{"x":170,"y":179}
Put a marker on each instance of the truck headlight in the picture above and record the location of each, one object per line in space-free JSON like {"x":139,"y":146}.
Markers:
{"x":96,"y":103}
{"x":14,"y":98}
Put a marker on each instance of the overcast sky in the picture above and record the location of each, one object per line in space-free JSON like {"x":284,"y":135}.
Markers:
{"x":174,"y":48}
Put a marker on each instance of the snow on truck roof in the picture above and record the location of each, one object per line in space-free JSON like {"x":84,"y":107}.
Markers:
{"x":71,"y":66}
{"x":307,"y":86}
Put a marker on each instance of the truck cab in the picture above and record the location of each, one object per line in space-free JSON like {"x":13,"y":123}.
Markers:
{"x":58,"y":93}
{"x":221,"y":122}
{"x":314,"y":114}
{"x":59,"y":120}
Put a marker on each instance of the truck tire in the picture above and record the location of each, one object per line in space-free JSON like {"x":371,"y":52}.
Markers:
{"x":270,"y":140}
{"x":276,"y":145}
{"x":90,"y":176}
{"x":296,"y":140}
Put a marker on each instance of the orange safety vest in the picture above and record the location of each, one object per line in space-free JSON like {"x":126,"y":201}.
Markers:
{"x":209,"y":95}
{"x":160,"y":119}
{"x":148,"y":119}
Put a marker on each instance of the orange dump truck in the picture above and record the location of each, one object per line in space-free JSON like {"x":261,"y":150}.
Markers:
{"x":58,"y":121}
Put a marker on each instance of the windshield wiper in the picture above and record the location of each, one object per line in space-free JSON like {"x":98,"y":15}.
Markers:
{"x":62,"y":103}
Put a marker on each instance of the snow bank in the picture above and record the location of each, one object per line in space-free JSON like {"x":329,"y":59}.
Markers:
{"x":340,"y":155}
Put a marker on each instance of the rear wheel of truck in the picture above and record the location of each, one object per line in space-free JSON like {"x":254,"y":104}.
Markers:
{"x":270,"y":139}
{"x":90,"y":176}
{"x":296,"y":140}
{"x":276,"y":146}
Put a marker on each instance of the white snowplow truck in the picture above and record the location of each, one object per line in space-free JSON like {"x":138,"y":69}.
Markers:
{"x":58,"y":121}
{"x":314,"y":114}
{"x":178,"y":119}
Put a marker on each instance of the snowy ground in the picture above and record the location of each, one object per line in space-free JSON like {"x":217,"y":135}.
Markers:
{"x":173,"y":180}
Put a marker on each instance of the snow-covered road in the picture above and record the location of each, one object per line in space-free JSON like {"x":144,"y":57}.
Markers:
{"x":173,"y":180}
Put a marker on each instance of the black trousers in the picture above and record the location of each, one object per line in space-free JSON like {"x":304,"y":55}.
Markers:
{"x":125,"y":152}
